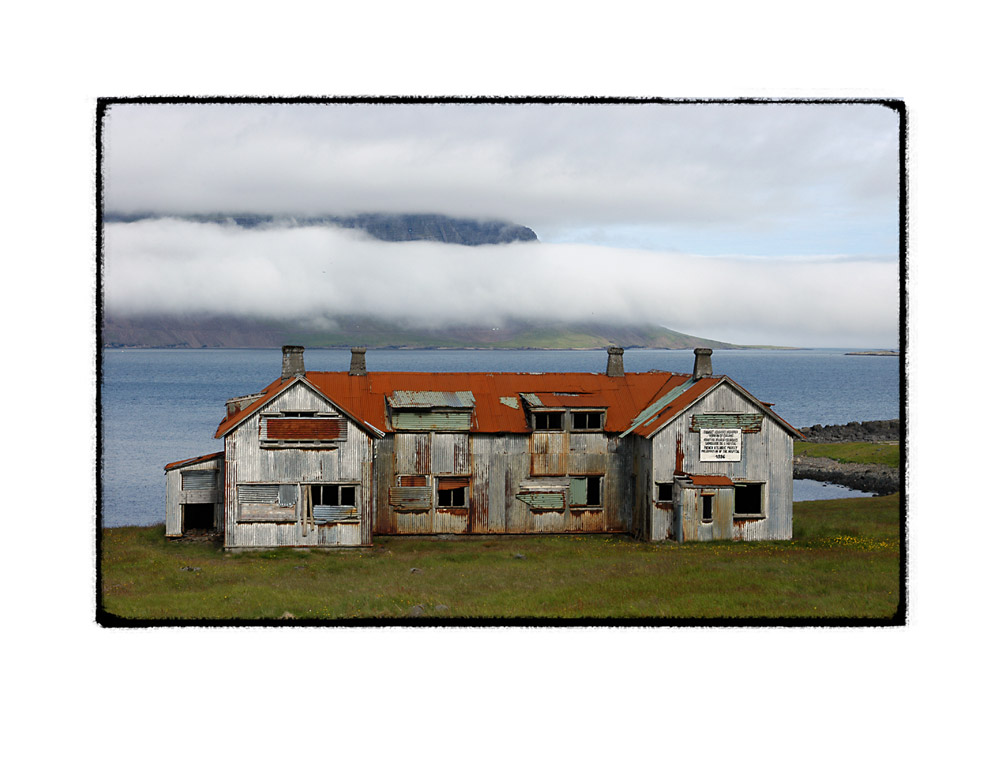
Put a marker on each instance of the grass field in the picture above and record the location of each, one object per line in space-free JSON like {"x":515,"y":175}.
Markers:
{"x":852,"y":451}
{"x":842,"y":563}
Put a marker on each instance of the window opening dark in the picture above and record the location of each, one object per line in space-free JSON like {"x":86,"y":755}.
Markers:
{"x":749,"y":500}
{"x":706,"y":508}
{"x":197,"y":516}
{"x":332,"y":495}
{"x":593,"y":490}
{"x":587,"y":420}
{"x":664,"y":492}
{"x":548,"y":420}
{"x":451,"y":498}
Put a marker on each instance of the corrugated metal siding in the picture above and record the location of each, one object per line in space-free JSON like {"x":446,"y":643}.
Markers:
{"x":766,"y":456}
{"x":410,"y":498}
{"x":322,"y":429}
{"x":425,"y":421}
{"x":334,"y":513}
{"x":199,"y":479}
{"x":549,"y":453}
{"x":543,"y":499}
{"x":246,"y":462}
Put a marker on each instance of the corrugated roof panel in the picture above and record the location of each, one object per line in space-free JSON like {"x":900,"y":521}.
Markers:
{"x":432,"y":399}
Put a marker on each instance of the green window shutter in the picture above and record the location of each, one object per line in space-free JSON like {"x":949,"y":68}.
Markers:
{"x":578,"y":491}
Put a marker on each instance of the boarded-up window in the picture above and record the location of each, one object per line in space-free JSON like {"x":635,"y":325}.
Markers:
{"x":543,"y":498}
{"x":302,"y":428}
{"x":432,"y":421}
{"x":747,"y":422}
{"x":199,"y":479}
{"x":257,"y":493}
{"x":412,"y":481}
{"x":410,"y":498}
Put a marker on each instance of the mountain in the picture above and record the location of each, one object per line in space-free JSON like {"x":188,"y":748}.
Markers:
{"x":388,"y":227}
{"x":223,"y":331}
{"x":216,"y":331}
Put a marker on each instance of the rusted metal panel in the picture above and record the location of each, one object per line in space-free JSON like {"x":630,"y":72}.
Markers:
{"x":449,"y":453}
{"x":549,"y":453}
{"x":413,"y":481}
{"x":307,"y":429}
{"x":748,"y":422}
{"x":410,"y":498}
{"x":455,"y":482}
{"x":412,"y":453}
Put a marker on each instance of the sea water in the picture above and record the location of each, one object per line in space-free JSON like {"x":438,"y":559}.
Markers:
{"x":162,"y":405}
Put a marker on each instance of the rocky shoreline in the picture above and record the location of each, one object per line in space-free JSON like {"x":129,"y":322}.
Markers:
{"x":878,"y":479}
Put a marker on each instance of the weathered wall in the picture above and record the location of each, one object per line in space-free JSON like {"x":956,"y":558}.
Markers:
{"x":766,"y":456}
{"x":499,"y":467}
{"x":350,"y":461}
{"x":177,"y":496}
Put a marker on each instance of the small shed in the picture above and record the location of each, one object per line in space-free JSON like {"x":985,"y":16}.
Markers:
{"x":195,"y":494}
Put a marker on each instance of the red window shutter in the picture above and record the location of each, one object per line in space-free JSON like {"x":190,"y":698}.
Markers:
{"x":456,"y":482}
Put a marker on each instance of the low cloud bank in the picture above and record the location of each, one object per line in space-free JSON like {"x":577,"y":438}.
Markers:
{"x":317,"y":274}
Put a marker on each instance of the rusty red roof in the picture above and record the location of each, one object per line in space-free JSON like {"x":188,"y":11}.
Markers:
{"x":711,"y":481}
{"x":194,"y":460}
{"x":363,"y":397}
{"x":636,"y":402}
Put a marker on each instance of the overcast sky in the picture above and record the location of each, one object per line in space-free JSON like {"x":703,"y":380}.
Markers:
{"x":762,"y":223}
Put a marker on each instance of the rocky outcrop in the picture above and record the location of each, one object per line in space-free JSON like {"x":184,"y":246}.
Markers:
{"x":878,"y":479}
{"x":866,"y":431}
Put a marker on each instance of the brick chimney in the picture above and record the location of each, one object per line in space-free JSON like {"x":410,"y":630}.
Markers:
{"x":292,"y":362}
{"x":616,"y":365}
{"x":357,"y":362}
{"x":702,"y":363}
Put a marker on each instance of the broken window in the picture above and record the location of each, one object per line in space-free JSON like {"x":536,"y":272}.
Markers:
{"x":585,"y":491}
{"x":332,"y":502}
{"x":587,"y":420}
{"x":453,"y":492}
{"x":706,"y":508}
{"x":749,"y":500}
{"x":664,"y":492}
{"x":548,"y":420}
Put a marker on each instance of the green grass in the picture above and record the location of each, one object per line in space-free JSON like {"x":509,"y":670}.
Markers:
{"x":852,"y":451}
{"x":842,"y":562}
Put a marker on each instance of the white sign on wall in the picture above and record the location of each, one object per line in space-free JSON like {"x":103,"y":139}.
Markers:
{"x":721,"y":445}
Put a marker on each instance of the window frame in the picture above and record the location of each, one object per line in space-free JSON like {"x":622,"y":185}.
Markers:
{"x":659,"y":486}
{"x":310,"y":503}
{"x":587,"y":504}
{"x":707,"y":500}
{"x":762,"y":486}
{"x":599,"y":427}
{"x":464,"y":489}
{"x":548,"y":414}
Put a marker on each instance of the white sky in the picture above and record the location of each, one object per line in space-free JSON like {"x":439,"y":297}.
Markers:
{"x":642,"y":212}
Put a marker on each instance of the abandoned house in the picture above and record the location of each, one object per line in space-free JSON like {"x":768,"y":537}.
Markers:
{"x":320,"y":459}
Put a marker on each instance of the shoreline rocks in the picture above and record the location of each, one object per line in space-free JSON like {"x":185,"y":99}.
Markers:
{"x":878,"y":479}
